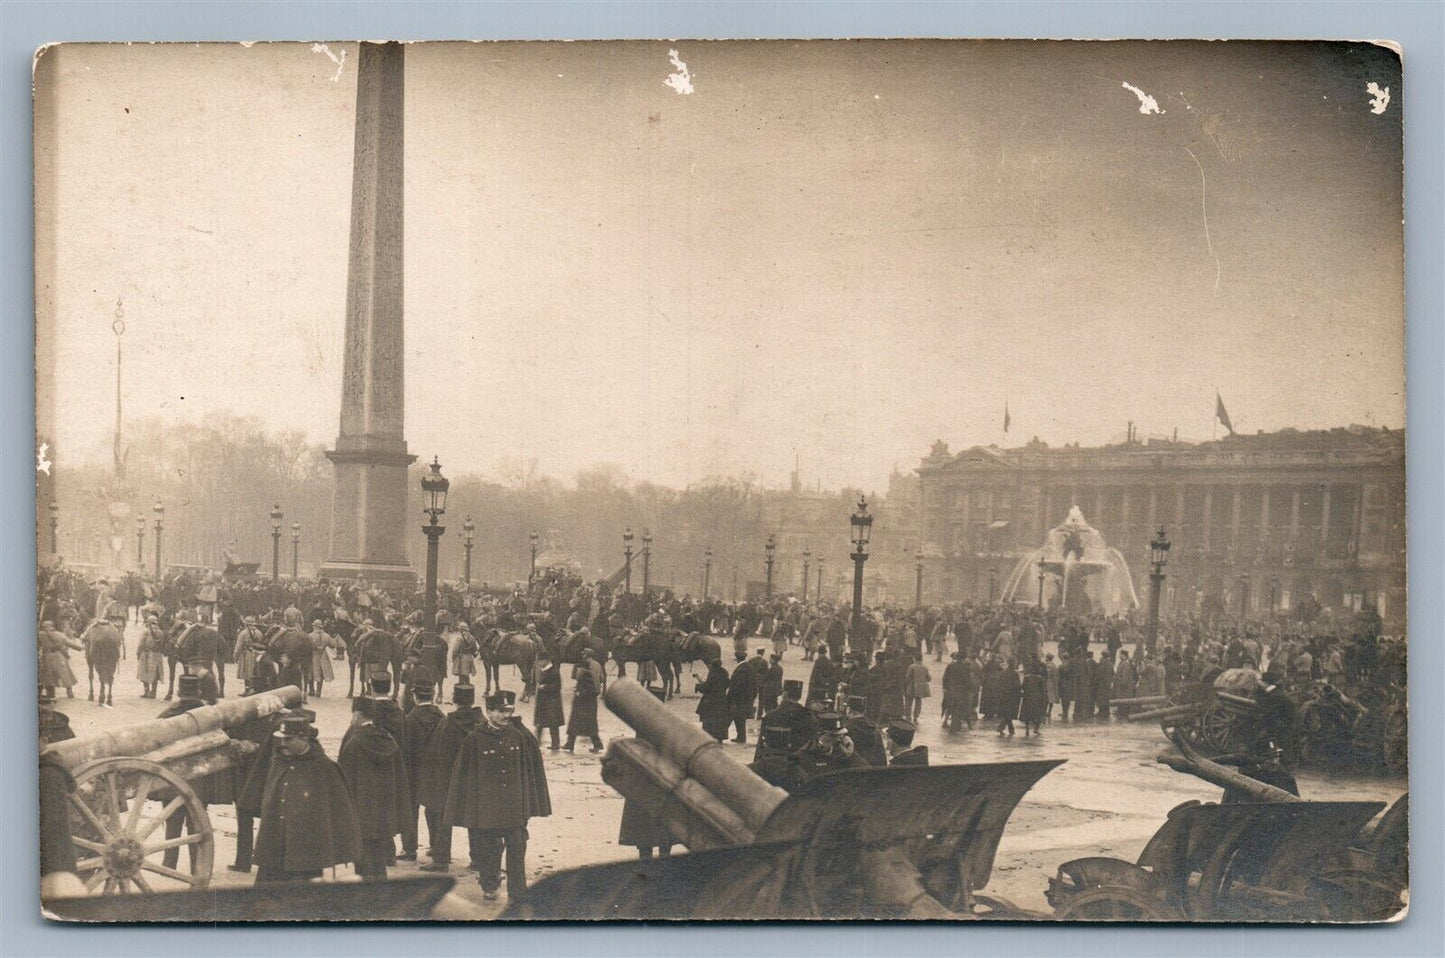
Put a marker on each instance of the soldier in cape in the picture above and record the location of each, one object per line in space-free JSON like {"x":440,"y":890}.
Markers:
{"x":434,"y":772}
{"x":371,"y":759}
{"x":308,"y":817}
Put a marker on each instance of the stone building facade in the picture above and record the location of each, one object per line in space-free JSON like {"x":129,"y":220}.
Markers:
{"x":1256,"y":522}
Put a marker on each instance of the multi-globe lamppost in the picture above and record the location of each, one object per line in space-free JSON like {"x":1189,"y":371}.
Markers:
{"x":469,"y":529}
{"x":160,"y":514}
{"x":276,"y":516}
{"x":820,"y":577}
{"x":706,"y":571}
{"x":862,"y":524}
{"x":627,"y":559}
{"x":770,"y":549}
{"x":807,"y":556}
{"x":1159,"y":558}
{"x":296,"y":551}
{"x":140,"y":543}
{"x":532,"y":537}
{"x":434,"y":488}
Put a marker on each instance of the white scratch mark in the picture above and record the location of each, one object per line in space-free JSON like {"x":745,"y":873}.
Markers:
{"x":1379,"y":97}
{"x":248,"y":44}
{"x":1204,"y":209}
{"x":340,"y":61}
{"x":41,"y":463}
{"x":1147,"y":104}
{"x":681,"y":81}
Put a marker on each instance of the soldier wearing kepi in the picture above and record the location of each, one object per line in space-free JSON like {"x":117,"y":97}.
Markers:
{"x":308,"y":819}
{"x":498,"y":785}
{"x":901,"y":750}
{"x":831,"y":751}
{"x":374,"y":768}
{"x":800,"y":722}
{"x":434,"y":772}
{"x":865,"y":735}
{"x":420,"y":722}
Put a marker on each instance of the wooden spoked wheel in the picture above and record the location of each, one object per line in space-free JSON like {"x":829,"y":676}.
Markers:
{"x":118,"y":815}
{"x":1217,"y":729}
{"x":1115,"y":903}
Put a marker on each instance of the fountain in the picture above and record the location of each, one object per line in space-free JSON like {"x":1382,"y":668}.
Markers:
{"x":1085,"y":573}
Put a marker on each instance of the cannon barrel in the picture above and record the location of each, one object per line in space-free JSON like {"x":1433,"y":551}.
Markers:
{"x":1242,"y":701}
{"x":159,"y":734}
{"x":1141,"y":700}
{"x":1173,"y":712}
{"x":695,"y":754}
{"x":1191,"y":762}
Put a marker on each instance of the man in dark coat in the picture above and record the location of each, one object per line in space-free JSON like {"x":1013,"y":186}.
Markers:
{"x":823,"y":682}
{"x":901,"y":750}
{"x":832,"y":751}
{"x":308,"y":819}
{"x":548,"y":713}
{"x":375,"y":770}
{"x":958,"y":694}
{"x":497,"y":786}
{"x":713,"y":707}
{"x":863,"y":733}
{"x":742,"y":692}
{"x":801,"y":722}
{"x":1103,"y":686}
{"x":583,"y":723}
{"x":420,"y":722}
{"x":434,"y":772}
{"x":770,"y":685}
{"x":837,"y":635}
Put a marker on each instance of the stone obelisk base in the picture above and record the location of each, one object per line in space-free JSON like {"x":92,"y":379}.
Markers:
{"x":367,"y":529}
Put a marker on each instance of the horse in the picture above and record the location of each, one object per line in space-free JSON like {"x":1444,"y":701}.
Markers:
{"x":373,"y":648}
{"x":511,"y":648}
{"x":654,"y":647}
{"x":104,"y":646}
{"x":696,"y":648}
{"x":569,"y":651}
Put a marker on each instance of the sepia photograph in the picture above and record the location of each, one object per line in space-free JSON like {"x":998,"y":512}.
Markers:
{"x":694,"y":480}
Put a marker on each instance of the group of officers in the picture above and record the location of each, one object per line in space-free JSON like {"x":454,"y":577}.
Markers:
{"x":800,"y":742}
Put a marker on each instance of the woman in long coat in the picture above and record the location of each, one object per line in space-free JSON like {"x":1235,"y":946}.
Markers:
{"x":713,"y":709}
{"x":1034,"y":699}
{"x":584,"y":711}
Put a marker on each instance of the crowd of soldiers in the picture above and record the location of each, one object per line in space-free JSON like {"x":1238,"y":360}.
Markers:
{"x":481,"y":768}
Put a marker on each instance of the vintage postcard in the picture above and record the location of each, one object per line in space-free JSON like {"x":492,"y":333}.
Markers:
{"x":816,"y":480}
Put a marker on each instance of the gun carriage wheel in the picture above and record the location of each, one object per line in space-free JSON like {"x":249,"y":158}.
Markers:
{"x":118,"y":814}
{"x":1115,"y":903}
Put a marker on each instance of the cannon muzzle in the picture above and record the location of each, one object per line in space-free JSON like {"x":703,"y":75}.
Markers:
{"x":1173,"y":712}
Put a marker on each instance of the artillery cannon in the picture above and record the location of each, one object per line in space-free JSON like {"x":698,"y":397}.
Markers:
{"x":1213,"y":716}
{"x":913,"y":843}
{"x":1272,"y":857}
{"x":130,"y":781}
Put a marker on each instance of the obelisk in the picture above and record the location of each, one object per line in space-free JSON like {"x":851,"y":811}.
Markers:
{"x":368,"y":507}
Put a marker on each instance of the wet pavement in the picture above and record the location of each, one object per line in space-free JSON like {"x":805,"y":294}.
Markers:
{"x":1107,"y":799}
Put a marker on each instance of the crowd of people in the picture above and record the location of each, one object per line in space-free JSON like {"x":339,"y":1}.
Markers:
{"x":870,"y":686}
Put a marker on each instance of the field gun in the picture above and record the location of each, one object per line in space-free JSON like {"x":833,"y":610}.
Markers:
{"x":910,"y":843}
{"x":131,"y":780}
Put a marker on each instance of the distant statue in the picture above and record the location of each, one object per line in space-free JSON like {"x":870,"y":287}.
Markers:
{"x":1073,"y":545}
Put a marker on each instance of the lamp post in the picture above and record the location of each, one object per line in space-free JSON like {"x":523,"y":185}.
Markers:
{"x":140,"y":543}
{"x":54,"y":528}
{"x":1243,"y":598}
{"x":160,"y":514}
{"x":434,"y":488}
{"x":1041,"y":587}
{"x":820,"y":577}
{"x":918,"y":583}
{"x":1159,"y":558}
{"x":468,"y":529}
{"x":706,"y":571}
{"x":734,"y":596}
{"x":627,"y":559}
{"x":646,"y":562}
{"x":992,"y":583}
{"x":532,"y":537}
{"x":276,"y":516}
{"x":862,"y":524}
{"x":770,"y":550}
{"x":806,"y":556}
{"x":296,"y":550}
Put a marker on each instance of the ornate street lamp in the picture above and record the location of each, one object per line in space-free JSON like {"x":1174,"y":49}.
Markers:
{"x":770,"y":549}
{"x":918,"y":584}
{"x":862,"y":524}
{"x":820,"y":577}
{"x":1158,"y":559}
{"x":140,"y":543}
{"x":468,"y":530}
{"x":276,"y":516}
{"x":706,"y":571}
{"x":807,"y":556}
{"x":296,"y":550}
{"x":532,"y":538}
{"x":434,"y":488}
{"x":160,"y":514}
{"x":627,"y":559}
{"x":646,"y":562}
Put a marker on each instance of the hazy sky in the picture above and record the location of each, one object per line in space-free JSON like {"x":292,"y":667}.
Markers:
{"x":845,"y":250}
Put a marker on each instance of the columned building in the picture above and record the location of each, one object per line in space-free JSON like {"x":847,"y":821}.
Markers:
{"x":1257,"y":522}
